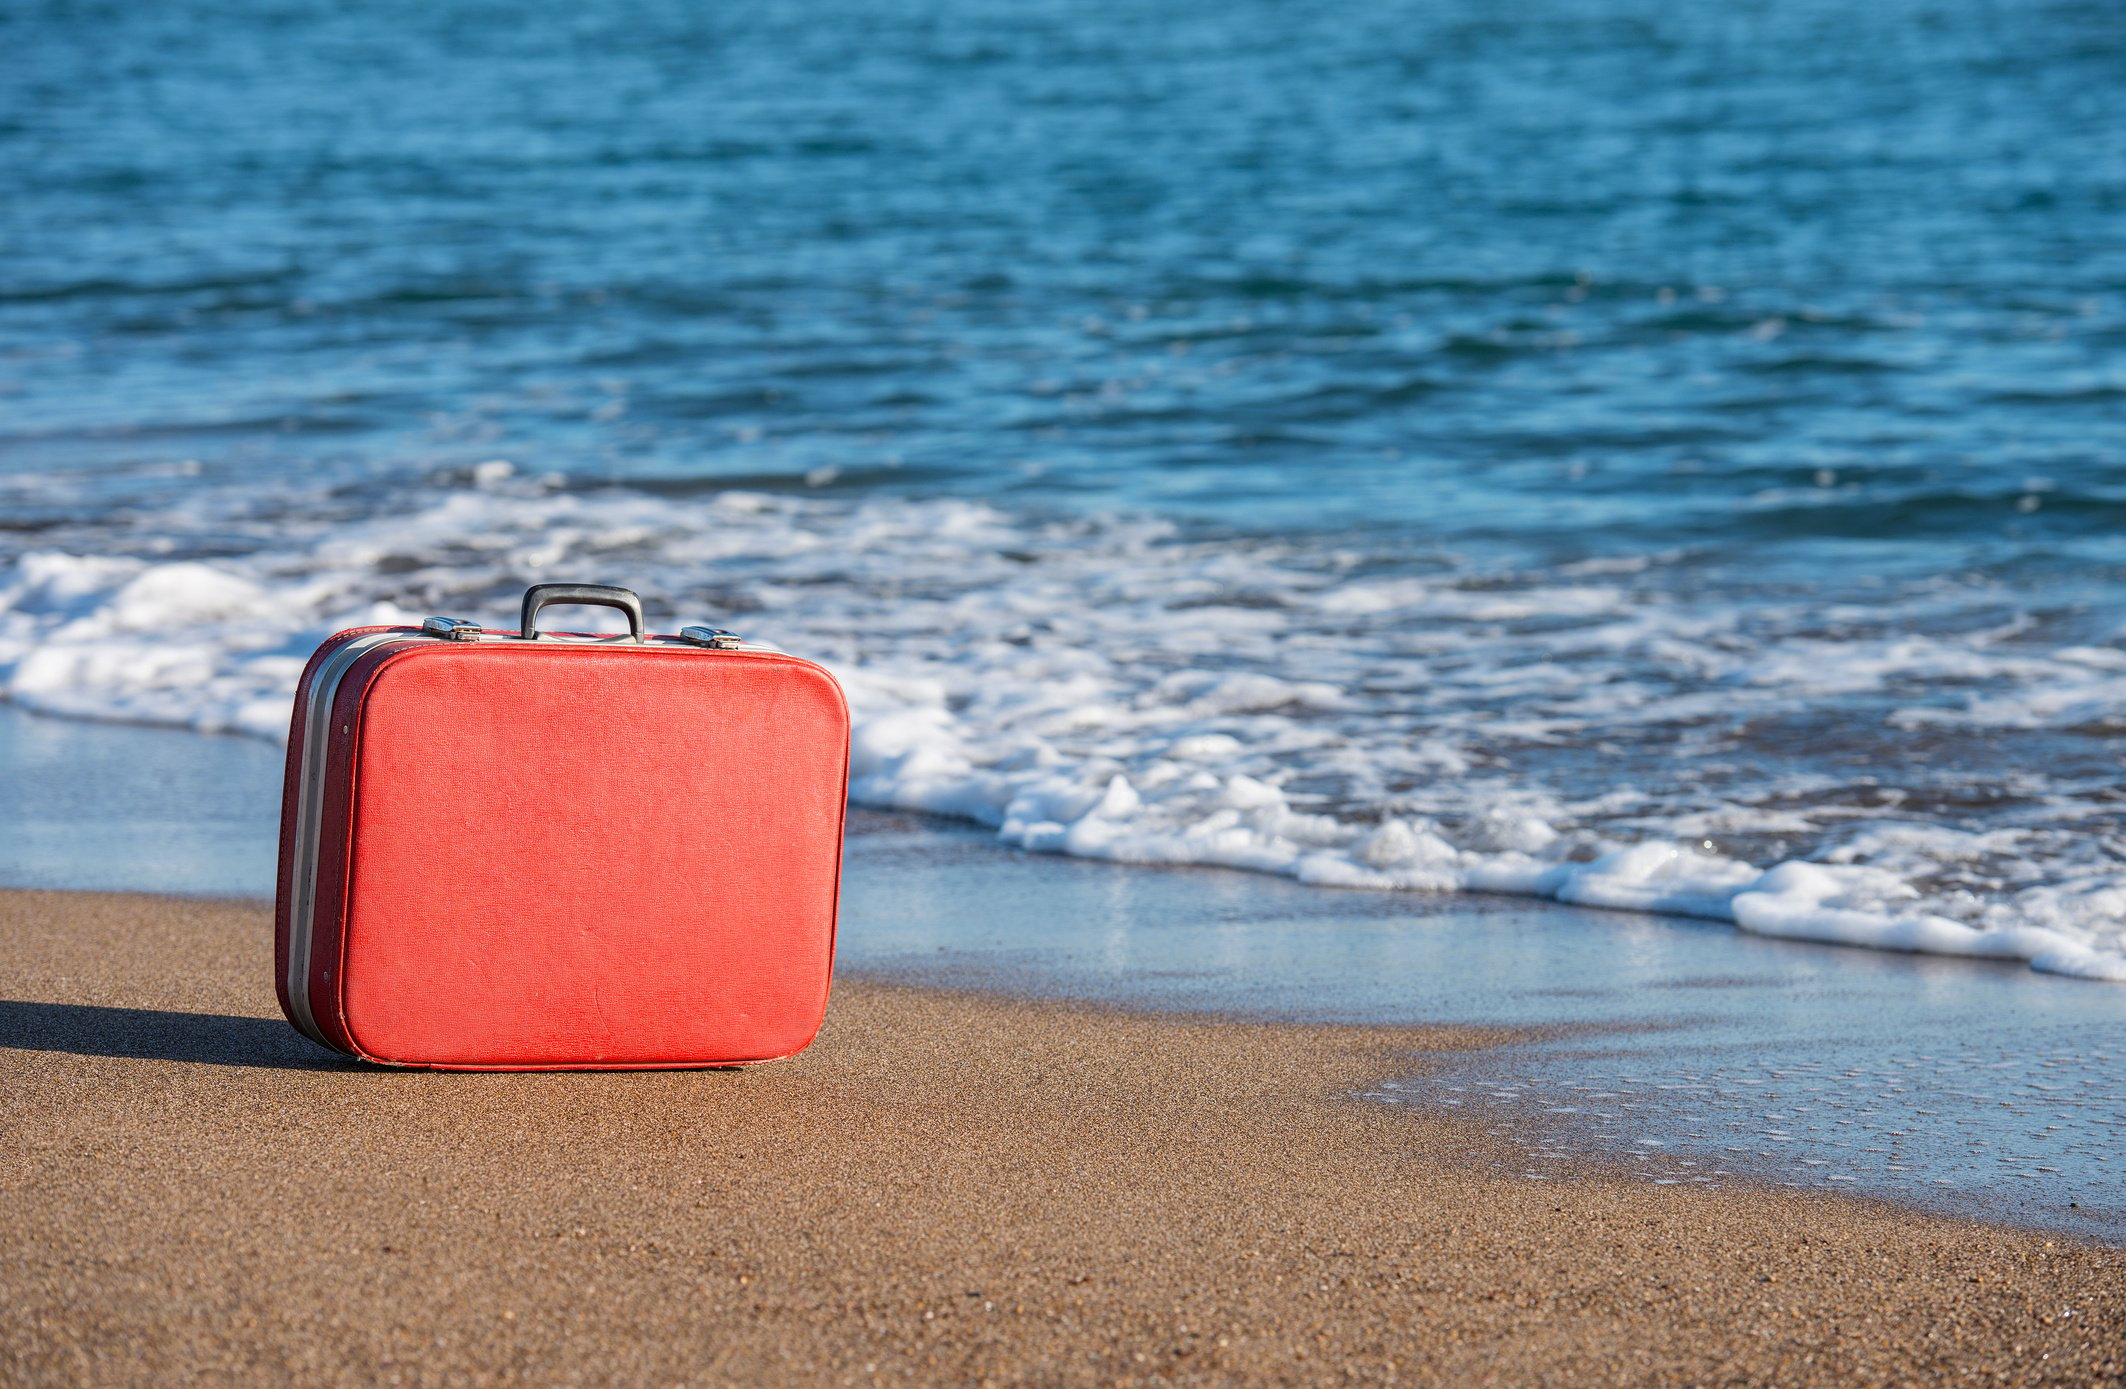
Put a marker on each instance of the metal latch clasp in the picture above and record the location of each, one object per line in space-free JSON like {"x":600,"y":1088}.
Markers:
{"x":715,"y":638}
{"x":451,"y":628}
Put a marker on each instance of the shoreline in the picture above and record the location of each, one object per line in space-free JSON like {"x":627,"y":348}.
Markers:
{"x":1776,"y":904}
{"x":1965,"y":1087}
{"x":949,"y":1186}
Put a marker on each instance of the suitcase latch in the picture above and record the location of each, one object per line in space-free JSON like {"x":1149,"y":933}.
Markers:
{"x":715,"y":638}
{"x":451,"y":628}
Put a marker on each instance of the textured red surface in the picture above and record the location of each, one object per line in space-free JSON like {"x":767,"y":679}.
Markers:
{"x":563,"y":855}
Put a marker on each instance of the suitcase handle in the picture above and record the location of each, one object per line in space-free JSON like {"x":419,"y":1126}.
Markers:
{"x":594,"y":595}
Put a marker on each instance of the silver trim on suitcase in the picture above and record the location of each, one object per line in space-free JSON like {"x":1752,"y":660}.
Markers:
{"x":309,"y":806}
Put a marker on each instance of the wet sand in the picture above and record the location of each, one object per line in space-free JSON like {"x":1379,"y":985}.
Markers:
{"x":947,"y":1188}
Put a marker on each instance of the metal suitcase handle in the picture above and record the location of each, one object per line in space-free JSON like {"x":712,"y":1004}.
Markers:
{"x":594,"y":595}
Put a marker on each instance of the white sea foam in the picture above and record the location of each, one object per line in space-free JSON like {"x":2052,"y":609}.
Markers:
{"x":1112,"y":688}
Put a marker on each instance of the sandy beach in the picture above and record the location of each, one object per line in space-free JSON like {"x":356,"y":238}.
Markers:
{"x":947,"y":1188}
{"x":1484,"y":648}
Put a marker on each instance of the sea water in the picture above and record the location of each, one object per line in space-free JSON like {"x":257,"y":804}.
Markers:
{"x":1647,"y":456}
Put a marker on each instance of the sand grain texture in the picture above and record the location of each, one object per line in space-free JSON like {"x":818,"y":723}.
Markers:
{"x":946,"y":1189}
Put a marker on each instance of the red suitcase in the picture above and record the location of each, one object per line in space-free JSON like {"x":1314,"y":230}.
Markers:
{"x":526,"y":850}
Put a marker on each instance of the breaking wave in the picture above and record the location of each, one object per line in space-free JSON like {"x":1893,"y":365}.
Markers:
{"x":1635,"y":732}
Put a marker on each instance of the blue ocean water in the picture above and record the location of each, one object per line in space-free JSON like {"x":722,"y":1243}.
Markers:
{"x":1416,"y":445}
{"x":1561,"y":275}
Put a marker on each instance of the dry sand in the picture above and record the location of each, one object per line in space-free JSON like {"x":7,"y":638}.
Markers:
{"x":946,"y":1189}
